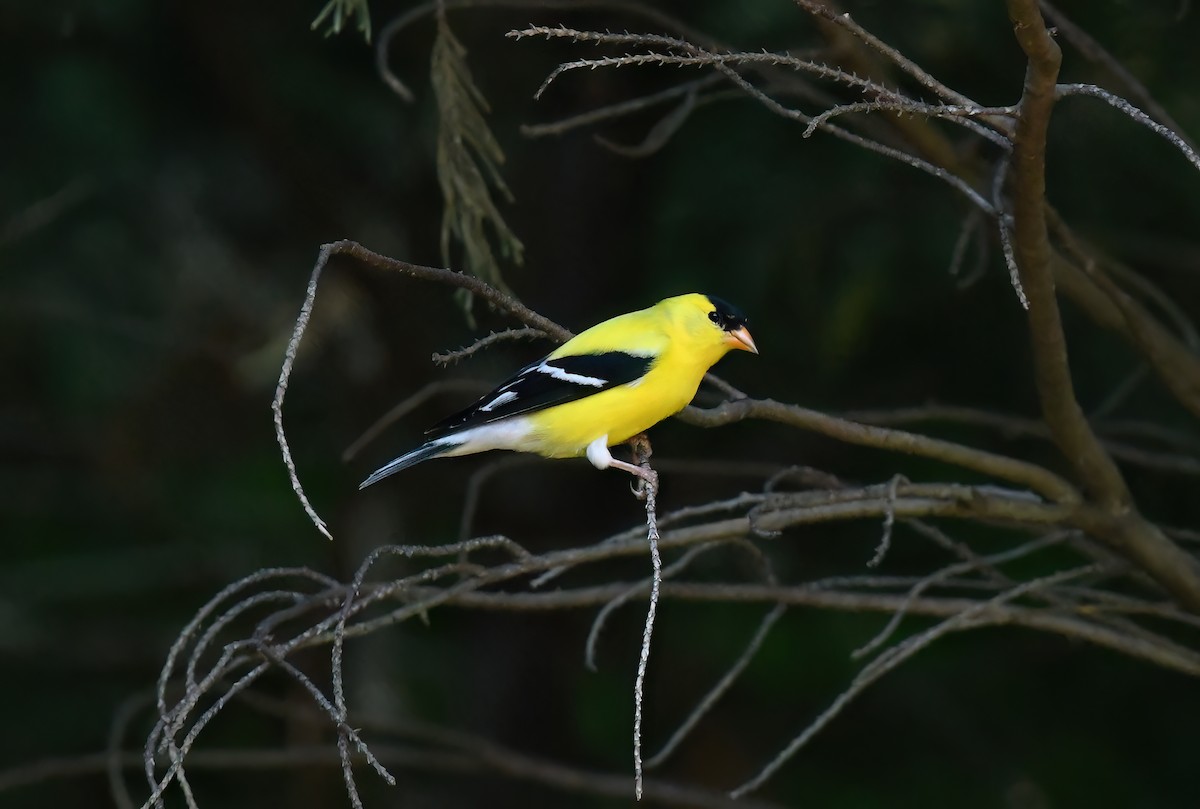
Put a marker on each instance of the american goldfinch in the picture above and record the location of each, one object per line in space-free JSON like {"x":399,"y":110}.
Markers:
{"x":597,"y":390}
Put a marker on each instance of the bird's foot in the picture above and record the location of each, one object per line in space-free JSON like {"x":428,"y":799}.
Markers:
{"x":601,"y":458}
{"x":647,"y":478}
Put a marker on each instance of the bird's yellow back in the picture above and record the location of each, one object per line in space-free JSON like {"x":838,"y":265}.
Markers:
{"x":601,"y":388}
{"x":677,"y":332}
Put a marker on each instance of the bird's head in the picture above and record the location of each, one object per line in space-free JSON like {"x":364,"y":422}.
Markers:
{"x":732,"y":322}
{"x":711,"y":321}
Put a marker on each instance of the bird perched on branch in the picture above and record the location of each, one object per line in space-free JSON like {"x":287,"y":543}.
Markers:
{"x":597,"y":390}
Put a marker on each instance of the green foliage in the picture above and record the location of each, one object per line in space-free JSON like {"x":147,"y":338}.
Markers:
{"x":468,"y":161}
{"x":339,"y":11}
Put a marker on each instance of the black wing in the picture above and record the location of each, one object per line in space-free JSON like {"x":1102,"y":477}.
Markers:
{"x":546,"y":383}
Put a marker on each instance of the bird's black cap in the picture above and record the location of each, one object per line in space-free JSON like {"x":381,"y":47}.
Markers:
{"x":725,"y":314}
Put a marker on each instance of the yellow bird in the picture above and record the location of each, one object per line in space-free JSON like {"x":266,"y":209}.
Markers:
{"x":599,"y":389}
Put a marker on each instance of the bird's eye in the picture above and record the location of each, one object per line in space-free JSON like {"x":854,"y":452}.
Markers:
{"x":714,"y":317}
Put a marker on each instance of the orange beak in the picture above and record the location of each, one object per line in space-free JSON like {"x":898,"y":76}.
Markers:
{"x":741,"y":339}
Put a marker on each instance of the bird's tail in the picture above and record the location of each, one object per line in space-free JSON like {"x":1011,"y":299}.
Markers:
{"x":431,"y":449}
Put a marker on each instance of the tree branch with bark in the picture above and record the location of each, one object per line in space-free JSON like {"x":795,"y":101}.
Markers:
{"x":1108,"y":575}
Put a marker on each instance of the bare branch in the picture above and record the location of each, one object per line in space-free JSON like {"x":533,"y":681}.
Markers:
{"x":948,"y":572}
{"x":602,"y":616}
{"x":649,"y":492}
{"x":621,"y":109}
{"x":1015,"y":426}
{"x":722,"y":62}
{"x":1031,"y":246}
{"x":484,"y":342}
{"x":1171,"y":135}
{"x":1004,"y":228}
{"x":823,"y":11}
{"x":826,"y":595}
{"x":689,"y":54}
{"x":873,"y":146}
{"x":406,"y":406}
{"x":659,"y":134}
{"x":889,"y":521}
{"x":963,"y":116}
{"x":717,"y":691}
{"x":890,"y":659}
{"x":971,"y":225}
{"x":1096,"y":52}
{"x":474,"y":285}
{"x":285,"y":374}
{"x":1013,"y":471}
{"x":469,"y":755}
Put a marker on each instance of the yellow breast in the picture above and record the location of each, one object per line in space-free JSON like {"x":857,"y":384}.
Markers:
{"x":675,"y":331}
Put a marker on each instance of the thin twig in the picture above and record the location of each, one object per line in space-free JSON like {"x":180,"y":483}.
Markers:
{"x":649,"y":491}
{"x":971,"y":225}
{"x":409,"y":404}
{"x":893,"y":657}
{"x":963,"y":116}
{"x":951,"y":571}
{"x":889,"y":521}
{"x":901,"y":61}
{"x":1172,"y":136}
{"x":678,"y":566}
{"x":485,"y":342}
{"x":723,"y":62}
{"x":285,"y":374}
{"x":1093,"y":50}
{"x":354,"y":250}
{"x":1004,"y":228}
{"x":719,"y":689}
{"x":619,"y":110}
{"x":1010,"y":470}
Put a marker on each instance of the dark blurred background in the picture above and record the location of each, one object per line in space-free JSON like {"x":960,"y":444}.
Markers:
{"x":170,"y":171}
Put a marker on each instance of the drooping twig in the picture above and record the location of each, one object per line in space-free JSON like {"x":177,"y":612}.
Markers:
{"x":1004,"y":229}
{"x":480,"y":478}
{"x":403,"y":21}
{"x":409,"y":404}
{"x":892,"y":658}
{"x":354,"y":250}
{"x":620,"y":109}
{"x":949,"y":177}
{"x":819,"y":9}
{"x":971,"y":231}
{"x":964,"y":116}
{"x":1093,"y":50}
{"x":720,"y":688}
{"x":724,"y":62}
{"x":1172,"y":136}
{"x":423,"y":591}
{"x":889,"y":522}
{"x":1011,"y":470}
{"x":659,"y":135}
{"x":486,"y":341}
{"x":948,"y":572}
{"x":648,"y":489}
{"x":1174,"y":360}
{"x":678,"y":566}
{"x":679,"y":52}
{"x":285,"y":374}
{"x":1012,"y":427}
